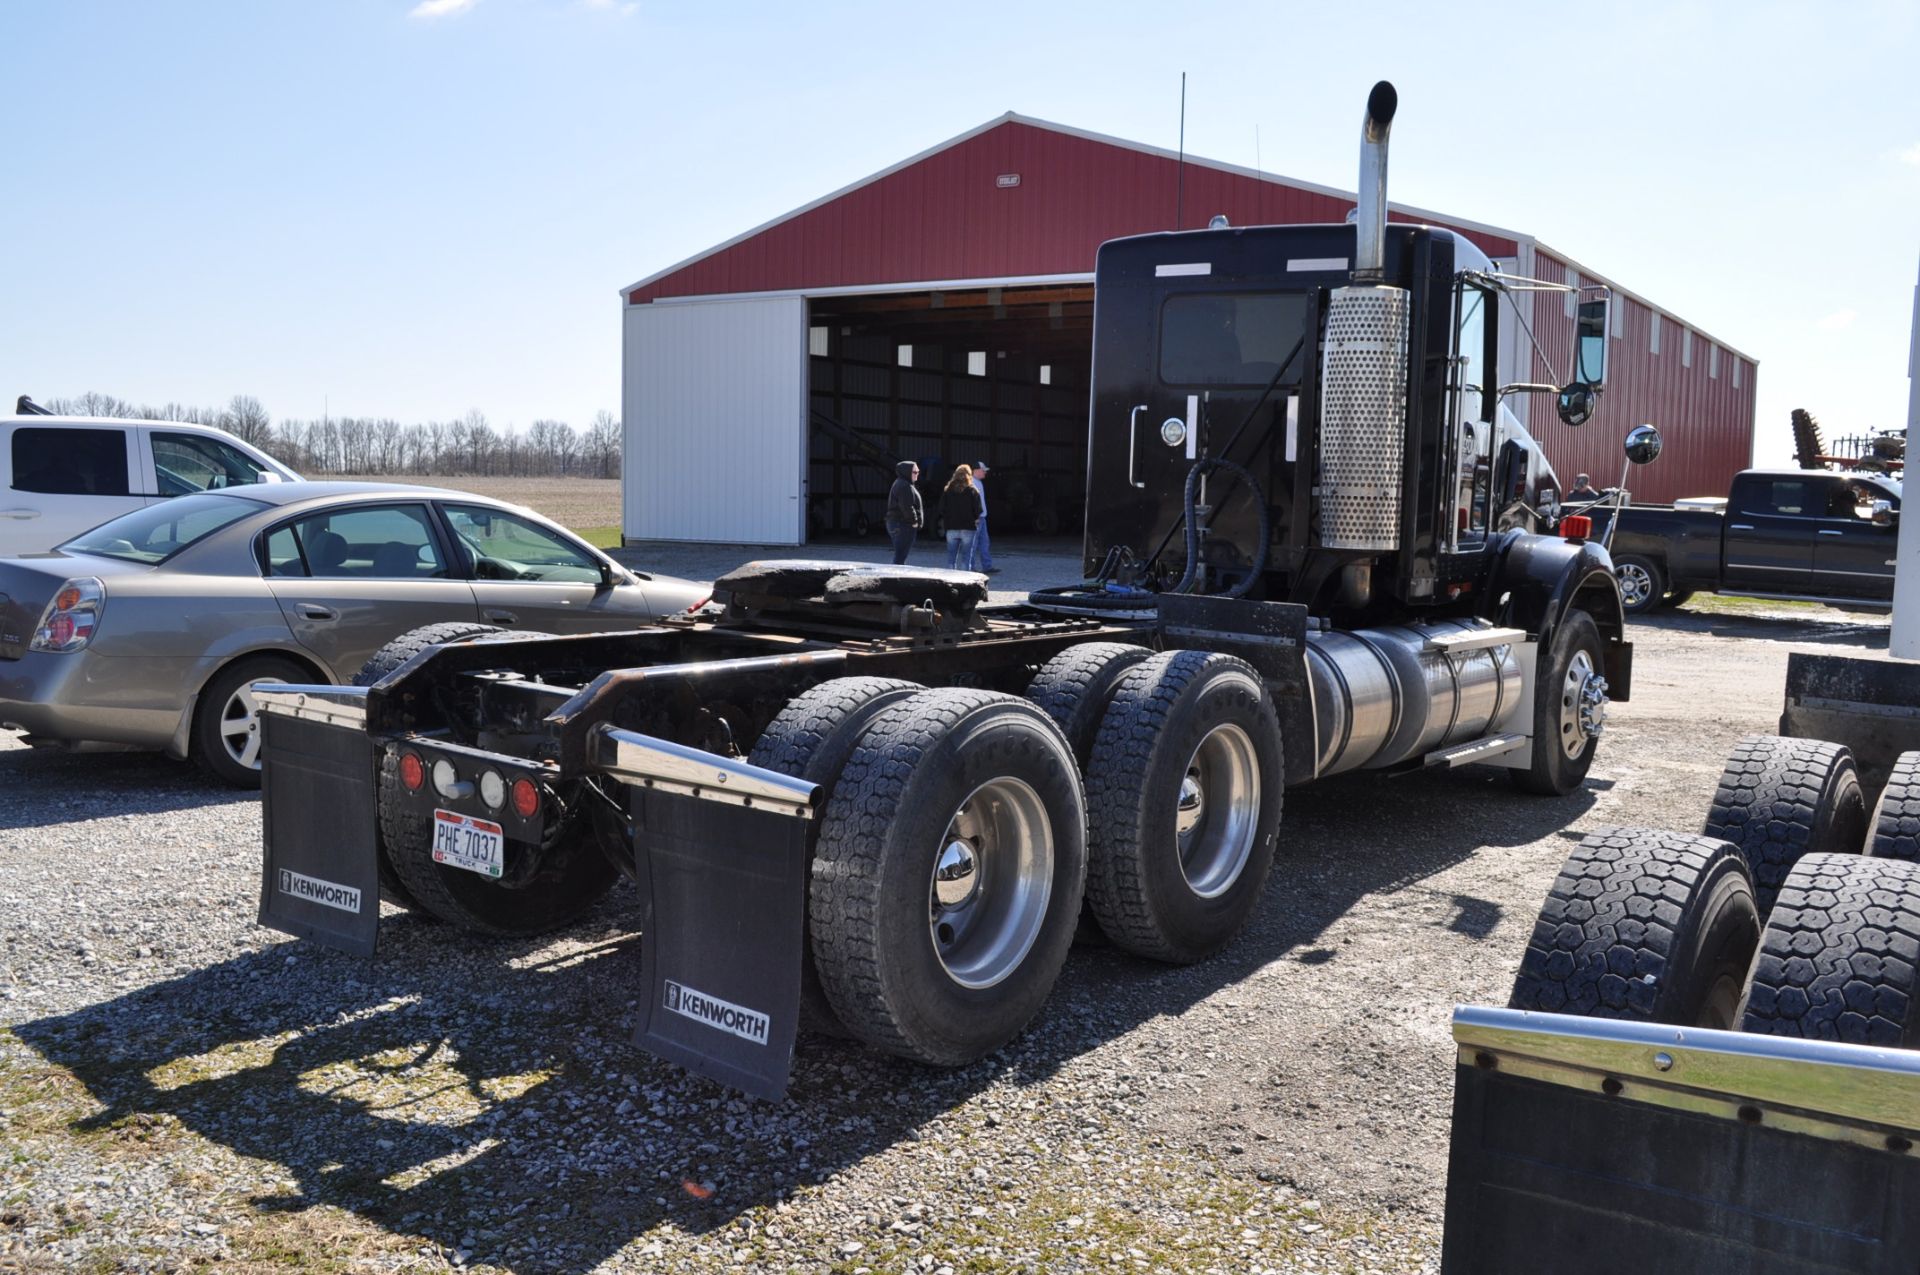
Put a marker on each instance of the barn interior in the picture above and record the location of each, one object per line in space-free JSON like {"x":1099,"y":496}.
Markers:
{"x":944,"y":378}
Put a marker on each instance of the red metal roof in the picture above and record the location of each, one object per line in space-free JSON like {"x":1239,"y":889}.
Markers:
{"x":955,"y":212}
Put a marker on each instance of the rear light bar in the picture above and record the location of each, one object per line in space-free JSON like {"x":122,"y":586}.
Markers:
{"x":70,"y":620}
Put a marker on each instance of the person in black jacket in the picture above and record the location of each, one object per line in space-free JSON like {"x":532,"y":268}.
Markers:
{"x":960,"y":508}
{"x":905,"y":512}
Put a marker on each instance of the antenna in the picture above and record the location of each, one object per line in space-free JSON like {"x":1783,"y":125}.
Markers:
{"x":1180,"y":165}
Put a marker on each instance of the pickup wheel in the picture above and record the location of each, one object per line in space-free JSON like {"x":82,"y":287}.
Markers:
{"x":1894,"y":832}
{"x":1840,"y":955}
{"x":1646,"y":925}
{"x":1569,"y":707}
{"x":1779,"y":799}
{"x":811,"y":739}
{"x":1183,"y":794}
{"x":1642,"y":583}
{"x":948,"y":874}
{"x":1676,"y":597}
{"x":572,"y":875}
{"x":1075,"y":687}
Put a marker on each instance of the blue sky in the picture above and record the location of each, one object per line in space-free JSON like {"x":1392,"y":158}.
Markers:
{"x":414,"y":209}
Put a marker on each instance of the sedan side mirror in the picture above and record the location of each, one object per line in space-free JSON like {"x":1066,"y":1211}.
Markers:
{"x":1884,"y":514}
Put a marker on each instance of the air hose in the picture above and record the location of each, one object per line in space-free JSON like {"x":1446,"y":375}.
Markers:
{"x":1192,"y":573}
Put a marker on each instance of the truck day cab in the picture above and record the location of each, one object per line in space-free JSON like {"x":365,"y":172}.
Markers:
{"x":860,"y":796}
{"x":1805,"y":534}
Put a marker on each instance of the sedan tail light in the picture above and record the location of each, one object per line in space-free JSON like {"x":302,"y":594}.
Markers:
{"x":69,"y":621}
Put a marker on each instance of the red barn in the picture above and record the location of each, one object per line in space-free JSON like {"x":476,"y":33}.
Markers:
{"x":941,"y":311}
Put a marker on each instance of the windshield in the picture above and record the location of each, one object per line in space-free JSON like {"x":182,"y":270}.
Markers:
{"x":157,"y":532}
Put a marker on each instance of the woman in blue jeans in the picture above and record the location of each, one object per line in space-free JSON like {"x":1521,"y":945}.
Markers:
{"x":960,"y":508}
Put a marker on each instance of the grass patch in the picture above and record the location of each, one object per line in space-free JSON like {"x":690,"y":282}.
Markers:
{"x":599,"y":537}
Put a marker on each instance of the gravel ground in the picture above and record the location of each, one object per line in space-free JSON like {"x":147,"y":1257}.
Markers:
{"x":181,"y":1087}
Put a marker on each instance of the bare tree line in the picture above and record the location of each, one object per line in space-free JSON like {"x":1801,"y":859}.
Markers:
{"x":381,"y":445}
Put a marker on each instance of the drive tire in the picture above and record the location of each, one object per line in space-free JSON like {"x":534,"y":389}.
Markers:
{"x":1840,"y":958}
{"x":1643,"y":584}
{"x":811,"y":739}
{"x":920,"y":774}
{"x":1555,"y":771}
{"x":1779,"y":799}
{"x":411,"y":643}
{"x":1147,"y":748}
{"x":1894,"y":832}
{"x":1646,"y":925}
{"x":1075,"y":687}
{"x":225,"y":694}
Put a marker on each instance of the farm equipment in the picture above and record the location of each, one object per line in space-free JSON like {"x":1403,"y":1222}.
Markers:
{"x":863,"y":798}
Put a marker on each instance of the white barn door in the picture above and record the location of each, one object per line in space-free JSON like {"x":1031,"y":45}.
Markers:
{"x":714,"y":403}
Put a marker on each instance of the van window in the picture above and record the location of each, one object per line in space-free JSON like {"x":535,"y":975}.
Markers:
{"x":186,"y":463}
{"x":71,"y":462}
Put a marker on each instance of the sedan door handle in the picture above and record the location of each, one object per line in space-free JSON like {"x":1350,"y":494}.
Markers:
{"x":499,"y":616}
{"x":19,"y":513}
{"x":314,"y":611}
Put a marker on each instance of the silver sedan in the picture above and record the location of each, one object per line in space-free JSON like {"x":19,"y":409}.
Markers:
{"x":148,"y":631}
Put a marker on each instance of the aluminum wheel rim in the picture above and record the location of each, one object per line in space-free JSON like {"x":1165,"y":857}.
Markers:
{"x":1583,"y":704}
{"x":1636,"y":584}
{"x":991,"y":882}
{"x":240,"y":724}
{"x":1217,"y":809}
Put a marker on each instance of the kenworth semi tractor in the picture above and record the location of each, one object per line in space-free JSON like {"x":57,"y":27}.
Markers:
{"x":862,"y":796}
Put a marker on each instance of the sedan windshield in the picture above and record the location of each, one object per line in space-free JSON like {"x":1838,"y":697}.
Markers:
{"x":157,"y":532}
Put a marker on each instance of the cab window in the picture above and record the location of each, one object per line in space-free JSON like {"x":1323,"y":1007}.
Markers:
{"x":504,"y":546}
{"x":1789,"y":497}
{"x":1468,"y":398}
{"x":1224,"y":338}
{"x":376,"y":542}
{"x":186,"y":463}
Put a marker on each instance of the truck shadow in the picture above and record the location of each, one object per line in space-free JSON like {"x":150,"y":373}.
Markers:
{"x":1825,"y":627}
{"x":42,"y":785}
{"x":486,"y":1096}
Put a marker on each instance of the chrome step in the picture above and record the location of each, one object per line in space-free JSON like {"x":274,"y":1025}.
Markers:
{"x":1475,"y":640}
{"x":1476,"y":750}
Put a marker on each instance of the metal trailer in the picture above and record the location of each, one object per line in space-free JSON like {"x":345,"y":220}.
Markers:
{"x":862,"y":798}
{"x":1630,"y":1129}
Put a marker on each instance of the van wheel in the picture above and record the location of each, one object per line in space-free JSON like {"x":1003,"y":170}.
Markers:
{"x":1569,"y":709}
{"x":1647,"y":925}
{"x":948,"y":874}
{"x":226,"y":721}
{"x":1839,"y":957}
{"x":1779,"y":799}
{"x":811,"y":739}
{"x":1183,"y":796}
{"x":1642,"y":583}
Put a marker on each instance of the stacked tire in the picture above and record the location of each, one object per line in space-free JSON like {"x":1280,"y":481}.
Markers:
{"x":1773,"y":922}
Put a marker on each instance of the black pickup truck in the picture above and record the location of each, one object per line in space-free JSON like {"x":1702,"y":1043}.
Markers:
{"x":1808,"y":534}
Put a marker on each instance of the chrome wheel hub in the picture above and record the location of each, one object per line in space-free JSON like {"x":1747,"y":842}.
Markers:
{"x":1636,"y":586}
{"x":1583,"y":705}
{"x":1217,"y":811}
{"x":991,"y":882}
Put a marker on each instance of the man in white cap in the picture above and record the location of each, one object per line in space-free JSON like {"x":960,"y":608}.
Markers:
{"x":982,"y":551}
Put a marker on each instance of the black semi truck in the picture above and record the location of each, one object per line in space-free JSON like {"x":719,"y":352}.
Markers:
{"x":861,"y":797}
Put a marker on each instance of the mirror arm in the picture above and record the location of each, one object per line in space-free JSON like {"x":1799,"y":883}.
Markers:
{"x":1526,"y":387}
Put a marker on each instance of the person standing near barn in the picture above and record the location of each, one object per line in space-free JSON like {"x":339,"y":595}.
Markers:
{"x":961,"y":508}
{"x":982,"y":548}
{"x":905,"y":510}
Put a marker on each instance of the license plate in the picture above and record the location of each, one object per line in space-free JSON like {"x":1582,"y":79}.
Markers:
{"x":461,"y":841}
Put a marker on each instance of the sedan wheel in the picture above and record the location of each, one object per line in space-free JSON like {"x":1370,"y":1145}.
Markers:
{"x":240,"y":725}
{"x":226,"y":724}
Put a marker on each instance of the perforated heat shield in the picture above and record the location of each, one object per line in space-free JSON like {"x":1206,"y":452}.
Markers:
{"x":1363,"y":419}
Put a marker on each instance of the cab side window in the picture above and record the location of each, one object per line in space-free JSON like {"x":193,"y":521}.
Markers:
{"x":1789,"y":497}
{"x":1469,"y":397}
{"x":186,"y":463}
{"x":71,"y":462}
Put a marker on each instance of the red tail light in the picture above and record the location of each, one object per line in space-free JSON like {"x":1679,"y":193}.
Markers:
{"x":526,"y":798}
{"x":69,"y":621}
{"x":1576,"y":527}
{"x":413,"y":771}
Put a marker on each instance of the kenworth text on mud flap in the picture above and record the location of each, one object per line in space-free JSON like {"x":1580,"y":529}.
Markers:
{"x":859,"y":797}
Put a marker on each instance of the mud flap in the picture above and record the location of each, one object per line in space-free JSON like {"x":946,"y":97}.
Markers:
{"x":724,"y":889}
{"x":321,"y":877}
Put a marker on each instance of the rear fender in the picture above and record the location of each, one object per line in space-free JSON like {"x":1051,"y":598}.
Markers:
{"x":1537,"y":580}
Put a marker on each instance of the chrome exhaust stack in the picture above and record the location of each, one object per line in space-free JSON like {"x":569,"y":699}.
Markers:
{"x":1370,"y":215}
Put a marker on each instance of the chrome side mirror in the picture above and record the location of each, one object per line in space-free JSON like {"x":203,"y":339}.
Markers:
{"x":1643,"y":445}
{"x":1883,"y":514}
{"x":1577,"y":402}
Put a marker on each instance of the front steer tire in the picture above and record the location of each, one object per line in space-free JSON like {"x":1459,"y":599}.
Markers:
{"x":1840,"y":959}
{"x":940,"y":768}
{"x":1562,"y":749}
{"x":1781,"y":798}
{"x":1645,"y":925}
{"x":811,"y":739}
{"x":1185,"y":782}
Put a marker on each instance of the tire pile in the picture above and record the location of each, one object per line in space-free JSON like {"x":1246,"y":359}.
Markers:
{"x":1793,"y":913}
